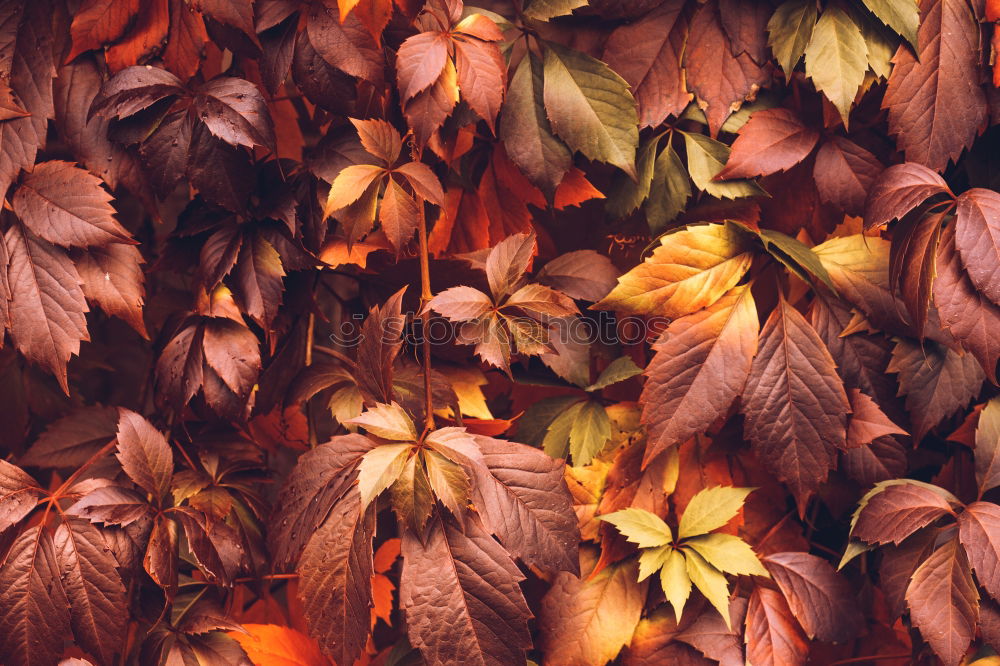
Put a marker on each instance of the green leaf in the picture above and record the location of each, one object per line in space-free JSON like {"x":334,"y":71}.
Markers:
{"x":796,"y":256}
{"x":675,"y":581}
{"x":543,"y":10}
{"x":626,"y":194}
{"x":710,"y":582}
{"x":728,"y":553}
{"x":556,"y":440}
{"x":705,"y":159}
{"x":789,"y":30}
{"x":591,"y":430}
{"x":854,"y":548}
{"x":526,"y":133}
{"x":710,"y":509}
{"x":534,"y":424}
{"x":669,"y":190}
{"x":590,"y":107}
{"x":644,"y":529}
{"x":651,"y":559}
{"x":902,"y":16}
{"x":380,"y":468}
{"x":619,"y":370}
{"x":881,"y":45}
{"x":837,"y":58}
{"x":388,"y":421}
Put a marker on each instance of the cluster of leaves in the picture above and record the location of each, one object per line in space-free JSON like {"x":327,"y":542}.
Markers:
{"x":535,"y":331}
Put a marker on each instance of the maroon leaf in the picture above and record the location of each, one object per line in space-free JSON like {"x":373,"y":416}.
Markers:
{"x":214,"y":544}
{"x":460,"y":594}
{"x":347,"y":46}
{"x":335,"y":579}
{"x":583,"y":274}
{"x":844,"y":173}
{"x":795,"y":404}
{"x":46,"y":311}
{"x":968,"y":315}
{"x":144,"y":454}
{"x":235,"y":13}
{"x":944,"y":603}
{"x":482,"y":77}
{"x":819,"y":597}
{"x":160,"y":560}
{"x":111,"y":505}
{"x":134,"y":89}
{"x":979,"y":532}
{"x":912,"y":264}
{"x":936,"y":106}
{"x":259,"y":276}
{"x":897,"y":567}
{"x":380,"y":343}
{"x":234,"y":110}
{"x":772,"y":140}
{"x":977,"y":237}
{"x":898,"y":511}
{"x":34,"y":610}
{"x":97,"y":603}
{"x":73,"y":439}
{"x":883,"y":459}
{"x":900,"y":189}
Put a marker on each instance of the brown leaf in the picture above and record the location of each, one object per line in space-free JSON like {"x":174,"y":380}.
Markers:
{"x":720,"y":80}
{"x":346,"y":45}
{"x":820,"y":599}
{"x":398,"y":214}
{"x":97,"y":601}
{"x":507,"y":262}
{"x":936,"y":106}
{"x":185,"y":42}
{"x":72,"y":439}
{"x":428,"y":110}
{"x":144,"y":454}
{"x":944,"y":602}
{"x":583,"y":274}
{"x":600,"y":613}
{"x":482,"y":77}
{"x":214,"y":545}
{"x":912,"y":264}
{"x":772,"y":140}
{"x":936,"y":381}
{"x":867,"y":422}
{"x":898,"y":511}
{"x":461,"y":303}
{"x":419,"y":62}
{"x":883,"y":459}
{"x":647,"y":54}
{"x":235,"y":13}
{"x":844,"y":173}
{"x":47,"y":306}
{"x":36,"y":613}
{"x":379,"y":138}
{"x":968,"y":315}
{"x":160,"y":560}
{"x":795,"y":404}
{"x":380,"y":343}
{"x":319,"y":480}
{"x":900,"y":189}
{"x":979,"y":532}
{"x":701,"y":365}
{"x":773,"y":635}
{"x":460,"y":594}
{"x":235,"y":111}
{"x":259,"y":276}
{"x":977,"y":237}
{"x":17,"y":494}
{"x":113,"y":280}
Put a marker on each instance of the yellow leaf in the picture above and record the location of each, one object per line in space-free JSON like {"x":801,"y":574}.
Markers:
{"x":651,"y":559}
{"x":728,"y":553}
{"x":710,"y":582}
{"x":675,"y":581}
{"x":349,"y":185}
{"x":641,"y":527}
{"x":388,"y":421}
{"x":467,"y":384}
{"x":690,"y":270}
{"x":380,"y":468}
{"x":273,"y":645}
{"x":710,"y":509}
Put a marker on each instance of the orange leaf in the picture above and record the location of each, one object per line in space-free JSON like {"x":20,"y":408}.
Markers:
{"x":147,"y":34}
{"x":382,"y":589}
{"x":574,"y":190}
{"x":271,"y":645}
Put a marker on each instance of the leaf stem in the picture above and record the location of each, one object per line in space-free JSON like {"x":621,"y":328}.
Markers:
{"x":425,"y":315}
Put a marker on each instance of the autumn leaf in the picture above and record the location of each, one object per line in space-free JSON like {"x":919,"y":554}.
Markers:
{"x":772,"y":140}
{"x":836,"y":58}
{"x":269,"y":643}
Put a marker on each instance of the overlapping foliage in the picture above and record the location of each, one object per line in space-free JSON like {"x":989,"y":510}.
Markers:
{"x":561,"y":331}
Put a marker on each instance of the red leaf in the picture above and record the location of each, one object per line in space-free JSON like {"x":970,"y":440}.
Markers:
{"x":482,"y":77}
{"x":185,"y":42}
{"x":112,"y":279}
{"x":772,"y":140}
{"x":719,"y":80}
{"x":100,"y":22}
{"x":900,"y":189}
{"x":979,"y":532}
{"x":143,"y":39}
{"x":944,"y":603}
{"x":773,"y":635}
{"x":17,"y":494}
{"x":967,"y":314}
{"x":419,"y":62}
{"x":234,"y":110}
{"x":844,"y":173}
{"x":936,"y":106}
{"x":72,"y":439}
{"x":347,"y":46}
{"x":898,"y":511}
{"x":977,"y":237}
{"x":867,"y":422}
{"x":235,"y":13}
{"x":795,"y":404}
{"x":818,"y":596}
